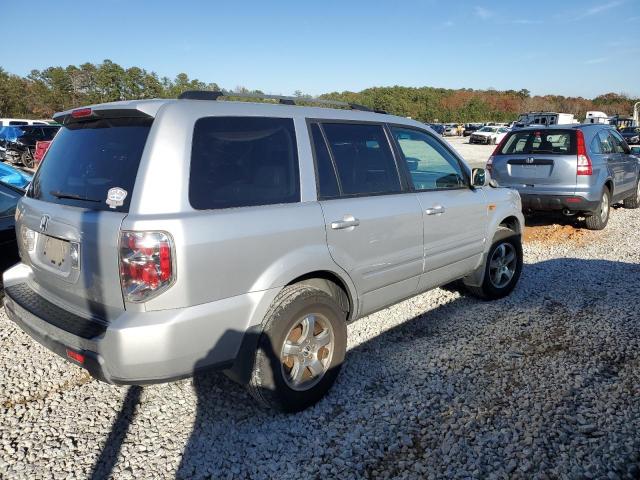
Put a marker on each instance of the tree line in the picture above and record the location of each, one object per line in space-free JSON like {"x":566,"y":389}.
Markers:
{"x":43,"y":92}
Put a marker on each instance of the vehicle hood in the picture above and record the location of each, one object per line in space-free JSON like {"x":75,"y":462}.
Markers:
{"x":483,"y":134}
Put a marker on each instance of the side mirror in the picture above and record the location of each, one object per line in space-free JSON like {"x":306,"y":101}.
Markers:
{"x":478,"y":177}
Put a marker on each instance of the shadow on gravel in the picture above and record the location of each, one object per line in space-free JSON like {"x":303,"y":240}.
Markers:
{"x":111,"y":450}
{"x":561,"y":291}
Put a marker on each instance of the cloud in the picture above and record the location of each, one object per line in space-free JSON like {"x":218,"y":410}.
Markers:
{"x":482,"y":12}
{"x":448,"y":24}
{"x":595,"y":61}
{"x":603,"y":7}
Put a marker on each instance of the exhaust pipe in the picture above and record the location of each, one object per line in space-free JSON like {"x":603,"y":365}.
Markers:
{"x":567,"y":213}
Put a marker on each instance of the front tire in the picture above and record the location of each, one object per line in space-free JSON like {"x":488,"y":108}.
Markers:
{"x":634,"y":200}
{"x":502,"y":267}
{"x":301,"y":349}
{"x":27,"y":159}
{"x":600,"y":217}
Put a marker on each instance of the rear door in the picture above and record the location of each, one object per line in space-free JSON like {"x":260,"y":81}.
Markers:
{"x":373,"y":225}
{"x":612,"y":159}
{"x":74,"y":232}
{"x":537,"y":161}
{"x":454,"y":215}
{"x":627,"y":163}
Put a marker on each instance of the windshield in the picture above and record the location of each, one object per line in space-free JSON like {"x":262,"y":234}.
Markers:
{"x":13,"y":176}
{"x":631,"y":130}
{"x":487,"y":129}
{"x":90,"y":160}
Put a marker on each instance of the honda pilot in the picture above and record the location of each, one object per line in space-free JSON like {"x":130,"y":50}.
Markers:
{"x":164,"y":237}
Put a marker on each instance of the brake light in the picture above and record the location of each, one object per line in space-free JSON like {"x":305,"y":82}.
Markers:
{"x":584,"y":162}
{"x":496,"y":151}
{"x":81,"y":112}
{"x":146,"y":264}
{"x":75,"y":356}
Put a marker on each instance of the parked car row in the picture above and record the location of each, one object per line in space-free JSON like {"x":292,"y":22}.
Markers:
{"x":25,"y":144}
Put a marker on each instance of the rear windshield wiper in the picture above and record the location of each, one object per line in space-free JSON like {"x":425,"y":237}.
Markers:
{"x":72,"y":196}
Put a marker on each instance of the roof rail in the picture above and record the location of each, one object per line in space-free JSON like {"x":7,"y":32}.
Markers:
{"x":283,"y":100}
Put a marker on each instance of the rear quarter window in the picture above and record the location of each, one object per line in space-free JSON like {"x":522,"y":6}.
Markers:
{"x":550,"y":142}
{"x":243,"y":161}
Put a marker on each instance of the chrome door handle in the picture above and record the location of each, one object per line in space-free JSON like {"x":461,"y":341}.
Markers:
{"x":346,"y":222}
{"x":435,"y":210}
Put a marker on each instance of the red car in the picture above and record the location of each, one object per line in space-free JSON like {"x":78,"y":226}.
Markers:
{"x":41,"y":148}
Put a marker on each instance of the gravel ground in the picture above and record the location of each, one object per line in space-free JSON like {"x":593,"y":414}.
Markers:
{"x":542,"y":384}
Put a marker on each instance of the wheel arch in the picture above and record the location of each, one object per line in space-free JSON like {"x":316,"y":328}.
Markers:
{"x":334,"y":285}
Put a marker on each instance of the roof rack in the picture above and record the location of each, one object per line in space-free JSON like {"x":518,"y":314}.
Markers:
{"x":283,"y":100}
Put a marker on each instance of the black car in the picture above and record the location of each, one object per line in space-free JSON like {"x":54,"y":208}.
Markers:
{"x":469,"y":128}
{"x":19,"y":142}
{"x":12,"y":186}
{"x":631,"y":135}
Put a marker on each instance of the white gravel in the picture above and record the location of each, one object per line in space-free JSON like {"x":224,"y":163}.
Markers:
{"x":542,"y":384}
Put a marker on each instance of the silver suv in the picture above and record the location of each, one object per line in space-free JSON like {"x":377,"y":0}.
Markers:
{"x":576,"y":169}
{"x":163,"y":237}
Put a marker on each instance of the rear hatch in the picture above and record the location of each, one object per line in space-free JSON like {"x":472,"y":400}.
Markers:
{"x":537,"y":161}
{"x":70,"y":219}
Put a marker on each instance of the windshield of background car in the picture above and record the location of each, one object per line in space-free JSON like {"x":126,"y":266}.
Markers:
{"x":526,"y":142}
{"x":487,"y":129}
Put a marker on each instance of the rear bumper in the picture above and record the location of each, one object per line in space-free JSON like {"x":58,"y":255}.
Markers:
{"x":145,"y":347}
{"x":576,"y":203}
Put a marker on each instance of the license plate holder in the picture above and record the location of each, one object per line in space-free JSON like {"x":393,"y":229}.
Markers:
{"x":55,"y":252}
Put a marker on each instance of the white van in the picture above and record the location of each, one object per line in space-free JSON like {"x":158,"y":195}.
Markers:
{"x":545,"y":118}
{"x":594,"y":116}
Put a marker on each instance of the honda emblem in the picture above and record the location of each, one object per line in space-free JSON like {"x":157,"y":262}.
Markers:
{"x":530,"y":160}
{"x":44,"y":222}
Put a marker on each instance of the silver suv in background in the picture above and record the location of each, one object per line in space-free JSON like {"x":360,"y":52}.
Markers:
{"x":163,"y":237}
{"x":579,"y":170}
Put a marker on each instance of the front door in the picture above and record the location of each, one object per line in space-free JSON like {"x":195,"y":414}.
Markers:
{"x":455,"y":215}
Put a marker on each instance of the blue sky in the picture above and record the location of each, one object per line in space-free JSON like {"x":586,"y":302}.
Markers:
{"x":569,"y":47}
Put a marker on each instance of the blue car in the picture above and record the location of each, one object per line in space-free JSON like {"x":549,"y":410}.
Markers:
{"x":14,"y":177}
{"x":13,"y":183}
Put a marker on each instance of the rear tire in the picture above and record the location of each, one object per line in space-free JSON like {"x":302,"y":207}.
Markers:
{"x":502,"y":268}
{"x":293,"y":367}
{"x":634,"y":200}
{"x":600,"y":217}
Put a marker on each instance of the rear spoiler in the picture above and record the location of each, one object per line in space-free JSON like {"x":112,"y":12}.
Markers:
{"x":89,"y":114}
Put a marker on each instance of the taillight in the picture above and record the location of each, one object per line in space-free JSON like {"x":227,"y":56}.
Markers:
{"x":146,"y":264}
{"x":584,"y":162}
{"x":496,"y":151}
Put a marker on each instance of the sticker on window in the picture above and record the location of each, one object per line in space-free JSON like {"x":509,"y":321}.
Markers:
{"x":116,"y":196}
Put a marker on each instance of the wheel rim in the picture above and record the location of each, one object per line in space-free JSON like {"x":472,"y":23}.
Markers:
{"x":638,"y":192}
{"x":604,"y":207}
{"x":307,"y":352}
{"x":502,"y":266}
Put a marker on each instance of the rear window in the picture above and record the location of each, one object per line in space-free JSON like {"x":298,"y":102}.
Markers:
{"x":88,"y":159}
{"x":243,"y":161}
{"x":527,"y":142}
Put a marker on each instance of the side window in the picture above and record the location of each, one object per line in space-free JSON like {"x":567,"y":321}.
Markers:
{"x":430,"y":164}
{"x":605,"y":142}
{"x":327,"y":181}
{"x":595,"y":145}
{"x":243,"y":161}
{"x":619,"y":142}
{"x":363,"y":158}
